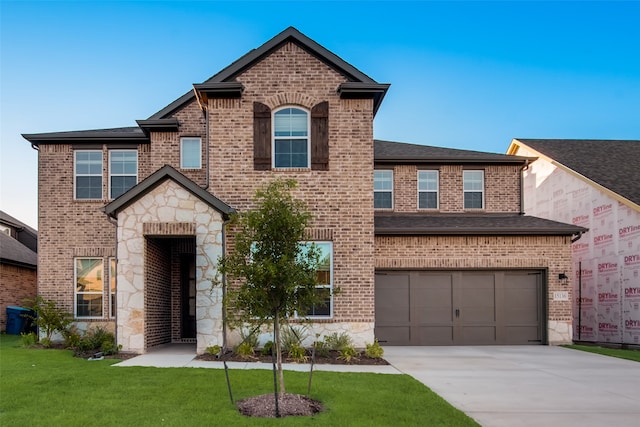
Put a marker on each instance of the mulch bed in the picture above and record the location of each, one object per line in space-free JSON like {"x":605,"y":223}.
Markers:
{"x":332,"y":359}
{"x":288,"y":405}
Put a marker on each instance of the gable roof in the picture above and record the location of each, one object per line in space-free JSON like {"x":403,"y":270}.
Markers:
{"x":401,"y":152}
{"x":470,"y":225}
{"x":612,"y":164}
{"x":155,"y":179}
{"x":359,"y":82}
{"x":20,"y":251}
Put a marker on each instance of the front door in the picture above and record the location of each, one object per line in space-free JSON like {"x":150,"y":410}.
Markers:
{"x":188,"y":295}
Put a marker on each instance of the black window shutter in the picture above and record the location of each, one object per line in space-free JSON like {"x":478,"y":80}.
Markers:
{"x":261,"y":136}
{"x":320,"y":136}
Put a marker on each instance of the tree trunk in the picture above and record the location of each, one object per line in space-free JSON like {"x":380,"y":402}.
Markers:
{"x":278,"y":347}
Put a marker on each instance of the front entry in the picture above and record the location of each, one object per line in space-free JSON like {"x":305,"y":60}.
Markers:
{"x":188,"y":296}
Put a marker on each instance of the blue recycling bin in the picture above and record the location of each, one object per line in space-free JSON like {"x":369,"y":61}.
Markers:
{"x":17,"y":320}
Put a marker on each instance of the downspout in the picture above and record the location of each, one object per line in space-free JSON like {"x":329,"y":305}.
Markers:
{"x":522,"y":169}
{"x":577,"y":237}
{"x":224,"y":288}
{"x":115,"y":314}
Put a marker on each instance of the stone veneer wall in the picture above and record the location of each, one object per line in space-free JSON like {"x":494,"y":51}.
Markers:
{"x":171,"y":211}
{"x":552,"y":253}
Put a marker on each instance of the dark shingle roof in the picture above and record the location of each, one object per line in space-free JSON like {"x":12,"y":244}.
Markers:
{"x":122,"y":135}
{"x":401,"y":152}
{"x":15,"y":253}
{"x":230,"y":72}
{"x":614,"y":164}
{"x":470,"y":224}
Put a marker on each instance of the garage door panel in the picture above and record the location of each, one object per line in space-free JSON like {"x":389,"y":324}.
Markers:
{"x":391,"y":335}
{"x":433,"y":335}
{"x":459,"y":307}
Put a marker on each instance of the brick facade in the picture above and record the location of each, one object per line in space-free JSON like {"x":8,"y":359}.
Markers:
{"x":18,"y":284}
{"x":340,"y":197}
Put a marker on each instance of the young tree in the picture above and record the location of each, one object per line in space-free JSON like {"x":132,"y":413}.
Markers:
{"x":271,"y":271}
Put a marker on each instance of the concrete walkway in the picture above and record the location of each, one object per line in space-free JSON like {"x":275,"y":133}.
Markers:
{"x":510,"y":386}
{"x":183,"y":356}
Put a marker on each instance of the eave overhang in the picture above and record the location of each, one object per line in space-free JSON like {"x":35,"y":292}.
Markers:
{"x":213,"y":90}
{"x":101,"y":136}
{"x":361,"y":90}
{"x":158,"y":125}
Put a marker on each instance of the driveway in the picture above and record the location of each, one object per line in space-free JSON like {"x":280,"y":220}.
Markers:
{"x":510,"y":386}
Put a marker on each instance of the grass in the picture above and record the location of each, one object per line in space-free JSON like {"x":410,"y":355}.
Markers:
{"x":613,"y":352}
{"x":52,"y":388}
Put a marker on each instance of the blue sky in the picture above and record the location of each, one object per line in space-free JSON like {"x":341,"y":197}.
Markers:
{"x":470,"y":75}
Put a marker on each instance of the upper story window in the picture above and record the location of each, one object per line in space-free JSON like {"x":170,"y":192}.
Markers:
{"x":123,"y":171}
{"x":88,"y":174}
{"x":473,"y":186}
{"x":291,"y":138}
{"x":428,"y":189}
{"x":190,"y":153}
{"x":383,"y":189}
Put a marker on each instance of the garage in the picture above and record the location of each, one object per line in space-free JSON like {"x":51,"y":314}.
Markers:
{"x":460,"y":307}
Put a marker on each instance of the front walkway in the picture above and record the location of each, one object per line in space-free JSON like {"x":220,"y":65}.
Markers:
{"x":183,"y":356}
{"x":510,"y":386}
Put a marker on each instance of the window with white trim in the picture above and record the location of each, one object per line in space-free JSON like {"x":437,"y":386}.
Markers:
{"x":89,"y":287}
{"x":112,"y":287}
{"x":123,"y":171}
{"x":325,"y":281}
{"x":383,"y":189}
{"x":428,"y":189}
{"x":190,"y":153}
{"x":291,"y":138}
{"x":473,"y":186}
{"x":88,"y":174}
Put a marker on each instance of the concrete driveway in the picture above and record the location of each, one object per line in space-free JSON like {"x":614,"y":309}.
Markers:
{"x":514,"y":386}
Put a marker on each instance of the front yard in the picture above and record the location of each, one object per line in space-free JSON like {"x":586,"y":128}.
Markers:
{"x":52,"y":388}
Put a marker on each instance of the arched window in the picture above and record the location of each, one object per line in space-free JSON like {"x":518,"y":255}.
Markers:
{"x":291,"y":138}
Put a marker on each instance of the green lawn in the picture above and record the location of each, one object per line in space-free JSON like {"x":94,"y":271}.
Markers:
{"x":52,"y":388}
{"x":613,"y":352}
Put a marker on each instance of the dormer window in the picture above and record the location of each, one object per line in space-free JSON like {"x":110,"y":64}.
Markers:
{"x":291,"y":138}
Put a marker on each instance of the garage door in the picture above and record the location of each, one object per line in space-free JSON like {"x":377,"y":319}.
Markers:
{"x":459,"y":308}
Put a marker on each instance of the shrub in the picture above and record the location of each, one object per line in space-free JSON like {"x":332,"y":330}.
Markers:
{"x":297,"y":353}
{"x":348,"y":353}
{"x":94,"y":340}
{"x":338,"y":341}
{"x":322,"y":349}
{"x":245,"y":350}
{"x":267,"y":348}
{"x":293,"y":337}
{"x":50,"y":318}
{"x":72,"y":337}
{"x":29,"y":339}
{"x":375,"y":350}
{"x":213,"y":350}
{"x":249,"y":337}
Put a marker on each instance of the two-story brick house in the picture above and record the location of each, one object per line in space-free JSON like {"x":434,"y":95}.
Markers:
{"x":132,"y":220}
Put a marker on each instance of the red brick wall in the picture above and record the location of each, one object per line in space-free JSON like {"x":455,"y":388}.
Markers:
{"x":502,"y":188}
{"x":157,"y":292}
{"x":16,"y":285}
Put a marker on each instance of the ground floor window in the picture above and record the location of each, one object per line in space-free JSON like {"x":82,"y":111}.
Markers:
{"x":112,"y":287}
{"x":89,"y":287}
{"x":325,"y":281}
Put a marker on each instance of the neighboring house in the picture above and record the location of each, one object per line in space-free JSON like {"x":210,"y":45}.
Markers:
{"x":132,"y":220}
{"x":594,"y":184}
{"x":18,"y":264}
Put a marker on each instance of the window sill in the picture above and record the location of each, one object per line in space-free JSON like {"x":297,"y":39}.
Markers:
{"x":291,"y":169}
